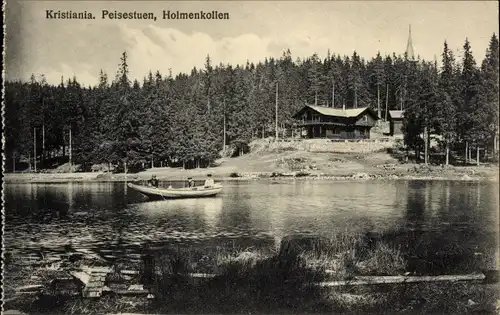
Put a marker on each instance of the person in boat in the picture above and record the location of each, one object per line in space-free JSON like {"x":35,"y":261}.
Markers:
{"x":209,"y":182}
{"x":191,"y":182}
{"x":153,"y":181}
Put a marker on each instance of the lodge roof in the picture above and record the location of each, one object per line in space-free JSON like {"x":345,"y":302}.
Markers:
{"x":338,"y":112}
{"x":396,"y":114}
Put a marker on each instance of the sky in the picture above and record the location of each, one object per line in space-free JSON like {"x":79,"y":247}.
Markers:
{"x":254,"y":31}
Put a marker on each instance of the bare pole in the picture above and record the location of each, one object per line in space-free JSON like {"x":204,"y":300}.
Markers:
{"x":208,"y":103}
{"x":70,"y":151}
{"x":466,"y":152}
{"x":355,"y":96}
{"x":477,"y":155}
{"x":333,"y":94}
{"x":34,"y":147}
{"x":401,"y":101}
{"x":43,"y":141}
{"x":425,"y":145}
{"x":224,"y":139}
{"x":447,"y":151}
{"x":386,"y":101}
{"x":276,"y":110}
{"x":378,"y":99}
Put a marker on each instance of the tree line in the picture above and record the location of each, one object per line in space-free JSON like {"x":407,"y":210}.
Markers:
{"x":458,"y":102}
{"x":187,"y":120}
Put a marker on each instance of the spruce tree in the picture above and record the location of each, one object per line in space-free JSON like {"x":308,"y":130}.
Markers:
{"x":447,"y":101}
{"x":469,"y":82}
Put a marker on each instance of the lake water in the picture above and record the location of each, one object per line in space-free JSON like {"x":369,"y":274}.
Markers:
{"x":441,"y":226}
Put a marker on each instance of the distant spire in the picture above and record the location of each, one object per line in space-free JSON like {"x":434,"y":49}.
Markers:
{"x":409,"y":47}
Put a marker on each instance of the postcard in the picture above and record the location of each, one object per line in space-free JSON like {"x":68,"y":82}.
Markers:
{"x":258,"y":157}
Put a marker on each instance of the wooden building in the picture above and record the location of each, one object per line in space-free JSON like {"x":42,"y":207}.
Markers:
{"x":395,"y":122}
{"x":336,"y":123}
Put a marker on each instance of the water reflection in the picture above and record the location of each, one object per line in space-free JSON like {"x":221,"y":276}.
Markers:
{"x":445,"y":233}
{"x":182,"y":215}
{"x":450,"y":226}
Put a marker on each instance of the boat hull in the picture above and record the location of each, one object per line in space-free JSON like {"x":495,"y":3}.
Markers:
{"x":176,"y":193}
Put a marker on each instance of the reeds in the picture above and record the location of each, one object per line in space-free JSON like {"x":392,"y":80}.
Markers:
{"x":281,"y":279}
{"x":269,"y":278}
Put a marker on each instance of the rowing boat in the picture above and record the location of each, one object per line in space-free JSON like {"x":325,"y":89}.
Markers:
{"x":174,"y":193}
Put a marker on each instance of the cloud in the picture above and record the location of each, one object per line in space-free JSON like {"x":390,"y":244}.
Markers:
{"x":82,"y":72}
{"x":83,"y":48}
{"x":154,"y":48}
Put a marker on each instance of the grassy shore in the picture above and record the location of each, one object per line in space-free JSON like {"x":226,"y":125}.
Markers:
{"x":269,"y":280}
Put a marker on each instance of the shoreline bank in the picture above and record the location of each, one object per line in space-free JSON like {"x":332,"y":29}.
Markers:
{"x":165,"y":175}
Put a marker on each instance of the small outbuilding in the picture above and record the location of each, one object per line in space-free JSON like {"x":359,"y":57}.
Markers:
{"x":395,"y":118}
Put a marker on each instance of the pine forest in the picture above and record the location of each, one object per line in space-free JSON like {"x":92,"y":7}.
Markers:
{"x":188,"y":120}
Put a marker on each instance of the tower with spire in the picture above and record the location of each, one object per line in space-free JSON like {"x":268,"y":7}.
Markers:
{"x":409,"y":46}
